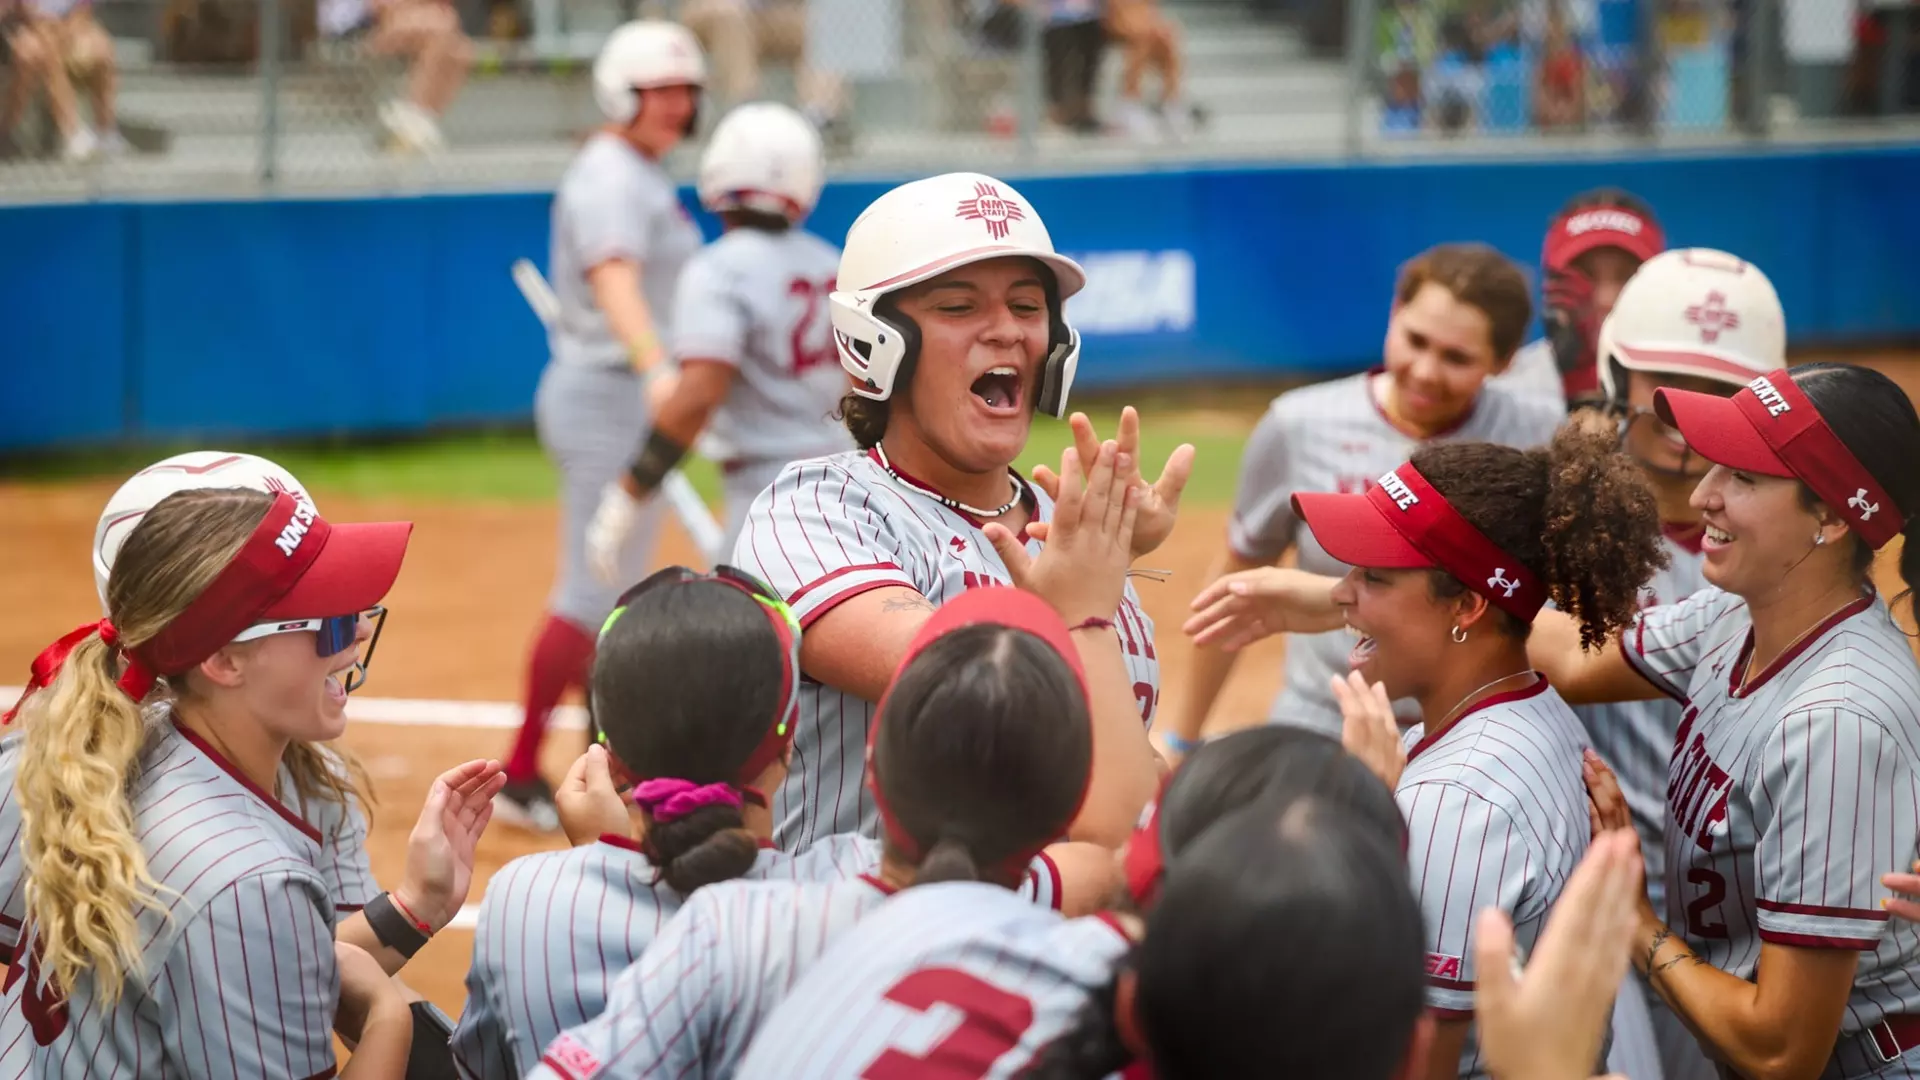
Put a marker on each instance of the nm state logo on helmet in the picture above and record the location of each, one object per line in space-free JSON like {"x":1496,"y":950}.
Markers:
{"x":990,"y":206}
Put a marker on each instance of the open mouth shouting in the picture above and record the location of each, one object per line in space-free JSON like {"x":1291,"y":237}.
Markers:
{"x":1363,"y":647}
{"x":1000,"y":390}
{"x":1714,"y":538}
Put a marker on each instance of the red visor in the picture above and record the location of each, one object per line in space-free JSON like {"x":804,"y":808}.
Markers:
{"x":295,"y":566}
{"x":999,"y":606}
{"x":1402,"y":523}
{"x":1770,"y":427}
{"x":1575,"y":233}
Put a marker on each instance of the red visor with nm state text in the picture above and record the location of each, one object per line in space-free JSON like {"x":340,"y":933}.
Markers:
{"x":1575,"y":233}
{"x":1770,"y":427}
{"x":1403,"y":523}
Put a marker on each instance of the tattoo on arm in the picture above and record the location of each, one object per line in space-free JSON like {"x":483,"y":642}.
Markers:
{"x":1685,"y":957}
{"x":1659,"y":938}
{"x":911,"y":602}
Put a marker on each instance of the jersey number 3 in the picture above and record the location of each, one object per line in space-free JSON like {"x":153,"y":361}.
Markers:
{"x":812,"y":340}
{"x":991,"y":1024}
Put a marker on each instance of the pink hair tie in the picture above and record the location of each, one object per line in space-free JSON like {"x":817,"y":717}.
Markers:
{"x":668,"y":799}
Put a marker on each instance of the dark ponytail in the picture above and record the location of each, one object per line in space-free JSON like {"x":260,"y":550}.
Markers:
{"x":1577,"y":513}
{"x":711,"y":844}
{"x":1876,"y":421}
{"x":947,"y":860}
{"x":686,"y":683}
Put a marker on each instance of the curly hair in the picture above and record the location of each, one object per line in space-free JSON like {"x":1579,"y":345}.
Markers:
{"x":866,"y":419}
{"x":1577,"y":513}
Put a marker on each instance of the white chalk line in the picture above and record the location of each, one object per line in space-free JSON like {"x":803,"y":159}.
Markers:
{"x":426,"y":712}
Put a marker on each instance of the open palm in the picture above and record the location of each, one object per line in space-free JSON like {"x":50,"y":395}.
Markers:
{"x":1157,"y":504}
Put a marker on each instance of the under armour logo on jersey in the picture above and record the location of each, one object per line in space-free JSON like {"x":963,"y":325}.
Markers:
{"x":1769,"y":396}
{"x":990,"y":206}
{"x":1499,"y":581}
{"x":1859,"y":502}
{"x":1713,"y":317}
{"x":958,"y":544}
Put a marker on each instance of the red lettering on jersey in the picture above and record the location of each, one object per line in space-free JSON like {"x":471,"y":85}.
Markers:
{"x":1352,"y":485}
{"x":1149,"y":699}
{"x":1697,"y":793}
{"x":973,"y":579}
{"x":1698,"y":925}
{"x":45,"y":1009}
{"x":812,"y":341}
{"x":1441,"y":966}
{"x":992,"y":1021}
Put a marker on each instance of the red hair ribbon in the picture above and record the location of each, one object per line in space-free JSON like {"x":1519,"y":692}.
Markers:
{"x":136,"y":681}
{"x":668,"y":799}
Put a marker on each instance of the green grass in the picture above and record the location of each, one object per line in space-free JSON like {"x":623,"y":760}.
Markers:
{"x":507,"y":466}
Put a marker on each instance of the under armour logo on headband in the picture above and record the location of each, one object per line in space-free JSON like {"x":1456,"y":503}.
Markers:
{"x":1859,"y":502}
{"x":1499,"y":580}
{"x":1769,"y":396}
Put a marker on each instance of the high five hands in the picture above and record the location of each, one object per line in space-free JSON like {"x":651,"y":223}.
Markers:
{"x":1157,"y":505}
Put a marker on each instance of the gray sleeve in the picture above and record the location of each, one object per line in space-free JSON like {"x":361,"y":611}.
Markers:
{"x":609,"y":216}
{"x":709,"y":320}
{"x":1262,"y":525}
{"x":250,"y":987}
{"x":1465,"y":854}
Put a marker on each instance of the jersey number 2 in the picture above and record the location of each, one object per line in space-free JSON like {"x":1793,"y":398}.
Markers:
{"x":993,"y":1021}
{"x":812,"y":341}
{"x":1697,"y":924}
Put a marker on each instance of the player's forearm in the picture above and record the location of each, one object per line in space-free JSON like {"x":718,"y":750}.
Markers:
{"x":1583,"y":676}
{"x":1764,"y":1030}
{"x":1125,"y":769}
{"x":355,"y":930}
{"x":385,"y":1042}
{"x":1209,"y":669}
{"x":616,"y":292}
{"x":702,"y":386}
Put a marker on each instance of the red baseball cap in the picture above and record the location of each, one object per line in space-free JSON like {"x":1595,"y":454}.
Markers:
{"x":1771,"y":427}
{"x":1402,"y":523}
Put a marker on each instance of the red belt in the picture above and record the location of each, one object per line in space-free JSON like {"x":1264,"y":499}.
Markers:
{"x":1895,"y":1035}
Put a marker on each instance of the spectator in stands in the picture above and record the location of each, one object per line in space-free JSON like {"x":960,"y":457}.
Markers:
{"x":1150,"y":39}
{"x":427,"y":34}
{"x":1560,"y":81}
{"x":1073,"y":43}
{"x":1455,"y":82}
{"x":56,"y":43}
{"x":740,"y":35}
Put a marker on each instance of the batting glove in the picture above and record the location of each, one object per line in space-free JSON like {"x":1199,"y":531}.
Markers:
{"x":608,"y":531}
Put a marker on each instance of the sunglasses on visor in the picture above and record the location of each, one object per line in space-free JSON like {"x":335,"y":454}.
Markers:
{"x":332,"y":635}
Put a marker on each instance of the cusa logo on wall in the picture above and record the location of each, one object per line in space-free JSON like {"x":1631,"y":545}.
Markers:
{"x":1134,"y":292}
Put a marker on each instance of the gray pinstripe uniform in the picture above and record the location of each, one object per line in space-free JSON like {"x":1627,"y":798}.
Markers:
{"x":558,"y":929}
{"x":1789,"y":796}
{"x":1332,"y":437}
{"x":832,"y":528}
{"x":1496,"y":817}
{"x":948,"y":980}
{"x":239,"y":976}
{"x":757,"y":301}
{"x":589,"y":412}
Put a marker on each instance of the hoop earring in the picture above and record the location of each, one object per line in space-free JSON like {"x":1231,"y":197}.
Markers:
{"x":1459,"y":636}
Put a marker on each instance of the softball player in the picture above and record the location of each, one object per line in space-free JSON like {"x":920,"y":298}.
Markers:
{"x":1656,"y":336}
{"x":1793,"y":779}
{"x":620,"y":240}
{"x":752,"y":342}
{"x":982,"y":753}
{"x":143,"y":896}
{"x":948,"y":315}
{"x":1458,"y":315}
{"x":1592,"y":248}
{"x":1455,"y":552}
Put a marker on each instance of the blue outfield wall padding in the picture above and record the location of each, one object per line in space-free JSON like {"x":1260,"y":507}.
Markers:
{"x":296,"y":317}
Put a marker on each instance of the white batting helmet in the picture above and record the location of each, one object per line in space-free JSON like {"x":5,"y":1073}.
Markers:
{"x":1693,"y":311}
{"x":762,"y":156}
{"x":182,"y":472}
{"x":644,"y":55}
{"x":921,"y":230}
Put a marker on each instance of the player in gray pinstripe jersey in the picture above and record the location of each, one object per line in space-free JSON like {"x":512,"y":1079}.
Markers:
{"x":752,"y":340}
{"x":1459,"y":313}
{"x":1795,"y":781}
{"x":162,"y":909}
{"x":557,"y":927}
{"x":1455,"y":553}
{"x":949,"y":317}
{"x":982,"y":752}
{"x":620,"y":240}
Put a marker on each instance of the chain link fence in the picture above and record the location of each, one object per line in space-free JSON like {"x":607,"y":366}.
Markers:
{"x":232,"y":97}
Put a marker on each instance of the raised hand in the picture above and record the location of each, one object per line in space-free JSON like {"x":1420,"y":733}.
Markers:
{"x":1369,"y":729}
{"x":1240,"y":609}
{"x":1906,"y":904}
{"x":1547,"y":1022}
{"x":1159,"y":502}
{"x":440,"y":849}
{"x":1082,"y":571}
{"x":588,"y":802}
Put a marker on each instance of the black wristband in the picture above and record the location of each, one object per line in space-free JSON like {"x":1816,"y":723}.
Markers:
{"x":395,"y":931}
{"x":657,"y":459}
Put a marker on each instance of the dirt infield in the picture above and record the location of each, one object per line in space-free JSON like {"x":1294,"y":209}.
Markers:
{"x":462,"y":616}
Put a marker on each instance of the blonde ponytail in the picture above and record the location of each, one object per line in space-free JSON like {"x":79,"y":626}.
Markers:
{"x":87,"y":877}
